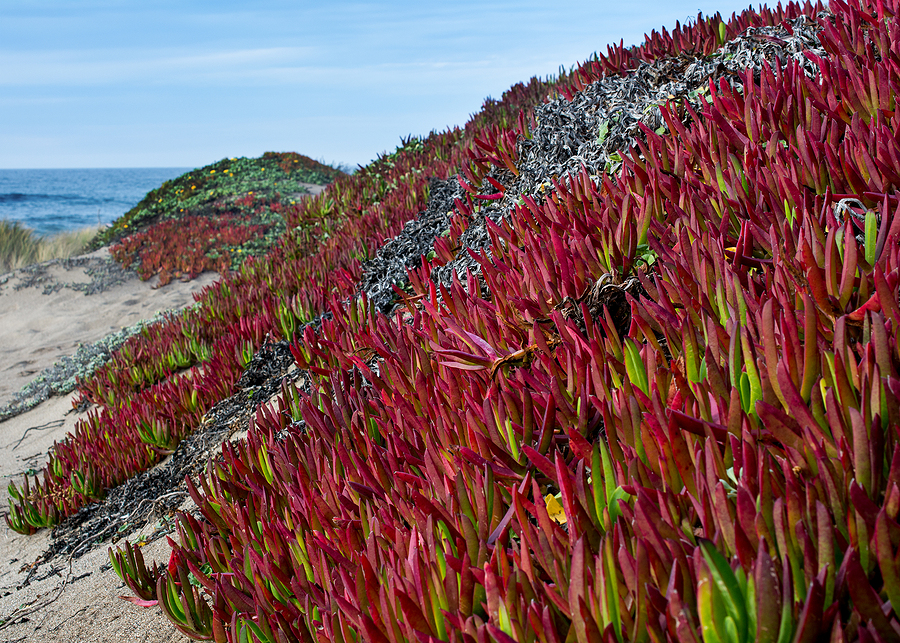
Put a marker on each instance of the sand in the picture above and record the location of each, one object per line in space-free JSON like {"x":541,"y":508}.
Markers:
{"x":73,"y":601}
{"x":42,"y":320}
{"x":44,"y":317}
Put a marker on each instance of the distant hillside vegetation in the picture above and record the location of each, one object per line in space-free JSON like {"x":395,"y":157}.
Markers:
{"x":214,"y":217}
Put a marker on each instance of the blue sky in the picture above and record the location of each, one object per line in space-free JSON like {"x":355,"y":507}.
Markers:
{"x":177,"y":83}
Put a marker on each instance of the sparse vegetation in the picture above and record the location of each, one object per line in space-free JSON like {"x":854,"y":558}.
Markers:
{"x":20,"y":246}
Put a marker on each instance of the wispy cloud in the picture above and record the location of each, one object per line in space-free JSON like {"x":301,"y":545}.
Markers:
{"x":113,"y":81}
{"x":103,"y":67}
{"x":269,"y":67}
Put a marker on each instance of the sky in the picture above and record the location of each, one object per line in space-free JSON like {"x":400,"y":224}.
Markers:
{"x":181,"y":83}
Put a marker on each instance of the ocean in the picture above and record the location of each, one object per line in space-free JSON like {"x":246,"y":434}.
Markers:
{"x":52,"y":201}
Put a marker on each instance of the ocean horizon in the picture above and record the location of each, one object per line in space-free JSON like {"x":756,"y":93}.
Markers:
{"x":50,"y":201}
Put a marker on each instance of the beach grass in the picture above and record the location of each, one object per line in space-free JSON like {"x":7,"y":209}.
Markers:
{"x":21,"y":246}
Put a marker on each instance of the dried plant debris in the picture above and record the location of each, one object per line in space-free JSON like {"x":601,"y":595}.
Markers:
{"x":604,"y":293}
{"x":475,"y":238}
{"x":159,"y":491}
{"x":388,"y":267}
{"x":603,"y":119}
{"x":591,"y":131}
{"x":63,"y":376}
{"x":271,"y":361}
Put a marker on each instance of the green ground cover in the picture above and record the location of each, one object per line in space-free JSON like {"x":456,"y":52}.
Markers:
{"x":214,"y":217}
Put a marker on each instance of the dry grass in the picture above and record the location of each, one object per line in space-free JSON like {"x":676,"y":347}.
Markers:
{"x":20,"y":246}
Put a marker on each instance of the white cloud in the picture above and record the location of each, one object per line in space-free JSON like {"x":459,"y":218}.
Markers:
{"x":105,"y":67}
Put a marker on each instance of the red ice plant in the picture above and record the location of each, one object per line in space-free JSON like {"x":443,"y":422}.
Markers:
{"x":723,"y":447}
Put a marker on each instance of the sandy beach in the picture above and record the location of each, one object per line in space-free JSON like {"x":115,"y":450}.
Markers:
{"x":46,"y":312}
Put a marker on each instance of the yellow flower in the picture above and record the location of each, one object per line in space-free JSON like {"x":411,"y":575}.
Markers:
{"x":212,"y":171}
{"x":555,"y":509}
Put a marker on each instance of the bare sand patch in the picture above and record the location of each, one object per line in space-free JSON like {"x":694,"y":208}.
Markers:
{"x":47,"y":310}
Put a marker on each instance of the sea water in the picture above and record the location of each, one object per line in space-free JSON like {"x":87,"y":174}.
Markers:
{"x":52,"y":201}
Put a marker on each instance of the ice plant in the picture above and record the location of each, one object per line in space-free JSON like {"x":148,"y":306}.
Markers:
{"x":130,"y":567}
{"x":660,"y":404}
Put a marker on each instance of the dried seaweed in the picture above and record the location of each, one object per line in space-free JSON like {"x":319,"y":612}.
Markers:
{"x":160,"y":490}
{"x":603,"y":119}
{"x":395,"y":256}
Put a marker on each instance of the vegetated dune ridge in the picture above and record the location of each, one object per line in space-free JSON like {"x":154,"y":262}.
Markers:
{"x":643,"y":386}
